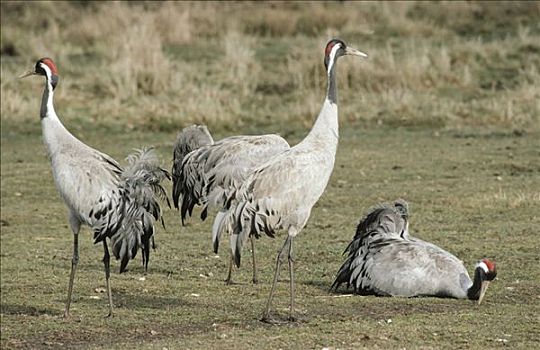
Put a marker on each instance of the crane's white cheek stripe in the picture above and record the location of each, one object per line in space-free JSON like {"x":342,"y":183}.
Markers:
{"x":47,"y":71}
{"x":483,"y":266}
{"x":333,"y":56}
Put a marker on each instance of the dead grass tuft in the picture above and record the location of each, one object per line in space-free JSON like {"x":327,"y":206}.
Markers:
{"x":164,"y":64}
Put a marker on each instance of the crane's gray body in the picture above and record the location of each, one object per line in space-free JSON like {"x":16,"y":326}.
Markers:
{"x":212,"y":170}
{"x":212,"y":174}
{"x":384,"y":260}
{"x":120,"y":204}
{"x":279,"y":194}
{"x":85,"y":178}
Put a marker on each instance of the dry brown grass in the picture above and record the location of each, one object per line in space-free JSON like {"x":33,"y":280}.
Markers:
{"x":163,"y":65}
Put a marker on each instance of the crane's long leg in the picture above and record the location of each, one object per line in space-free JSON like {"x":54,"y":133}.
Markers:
{"x":255,"y":280}
{"x":106,"y":265}
{"x":228,"y":280}
{"x":279,"y":260}
{"x":291,"y":272}
{"x":74,"y":262}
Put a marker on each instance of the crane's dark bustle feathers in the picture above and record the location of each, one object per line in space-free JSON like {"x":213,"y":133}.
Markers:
{"x":189,"y":139}
{"x":128,"y":216}
{"x":382,"y":219}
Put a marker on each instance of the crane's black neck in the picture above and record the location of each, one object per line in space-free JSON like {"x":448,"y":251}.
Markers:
{"x":47,"y":99}
{"x":44,"y":101}
{"x":473,"y":292}
{"x":332,"y":84}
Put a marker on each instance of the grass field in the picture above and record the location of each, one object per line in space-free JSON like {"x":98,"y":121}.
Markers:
{"x":445,"y":114}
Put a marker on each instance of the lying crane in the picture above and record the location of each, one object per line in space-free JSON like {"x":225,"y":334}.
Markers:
{"x":383,"y":259}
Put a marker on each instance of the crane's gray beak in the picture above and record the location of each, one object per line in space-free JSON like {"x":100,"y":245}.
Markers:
{"x":355,"y":52}
{"x":483,"y":288}
{"x":27,"y":74}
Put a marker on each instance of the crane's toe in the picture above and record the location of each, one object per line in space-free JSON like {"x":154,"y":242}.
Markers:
{"x":269,"y":320}
{"x":229,"y":282}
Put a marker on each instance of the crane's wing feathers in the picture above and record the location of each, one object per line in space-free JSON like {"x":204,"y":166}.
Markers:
{"x":385,"y":220}
{"x":188,"y":140}
{"x":276,"y":195}
{"x":126,"y":214}
{"x":211,"y":174}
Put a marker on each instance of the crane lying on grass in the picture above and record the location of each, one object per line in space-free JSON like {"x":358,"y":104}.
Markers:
{"x":203,"y":176}
{"x":279,"y":194}
{"x":384,"y":260}
{"x":118,"y":204}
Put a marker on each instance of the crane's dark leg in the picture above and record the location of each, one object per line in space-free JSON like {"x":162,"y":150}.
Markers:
{"x":255,"y":280}
{"x":74,"y":262}
{"x":228,"y":280}
{"x":291,"y":272}
{"x":106,"y":265}
{"x":279,"y":260}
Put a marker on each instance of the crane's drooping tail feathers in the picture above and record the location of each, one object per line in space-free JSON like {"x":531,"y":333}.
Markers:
{"x":188,"y":140}
{"x":140,"y":191}
{"x":242,"y":220}
{"x":190,"y":185}
{"x":194,"y":184}
{"x":380,"y":219}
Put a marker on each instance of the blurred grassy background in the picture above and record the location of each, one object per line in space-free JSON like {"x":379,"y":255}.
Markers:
{"x":234,"y":65}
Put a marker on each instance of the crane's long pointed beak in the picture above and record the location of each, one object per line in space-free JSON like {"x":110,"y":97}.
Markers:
{"x":483,"y":288}
{"x":27,"y":74}
{"x":355,"y":52}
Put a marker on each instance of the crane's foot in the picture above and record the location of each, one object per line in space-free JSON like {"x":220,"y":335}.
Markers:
{"x":67,"y":315}
{"x":229,"y":282}
{"x":290,"y":320}
{"x":270,"y":320}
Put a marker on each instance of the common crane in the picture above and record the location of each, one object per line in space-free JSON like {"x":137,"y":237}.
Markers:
{"x":211,"y":170}
{"x":279,"y":194}
{"x":118,"y":204}
{"x":383,"y":259}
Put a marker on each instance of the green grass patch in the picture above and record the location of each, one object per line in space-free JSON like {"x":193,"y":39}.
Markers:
{"x":473,"y":192}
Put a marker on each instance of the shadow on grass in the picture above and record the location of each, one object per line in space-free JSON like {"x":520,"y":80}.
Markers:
{"x":141,"y":301}
{"x":11,"y":309}
{"x":322,"y":285}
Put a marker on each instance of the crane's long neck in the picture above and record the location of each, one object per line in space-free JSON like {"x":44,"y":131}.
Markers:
{"x":326,"y":126}
{"x":47,"y":106}
{"x":331,"y":92}
{"x":473,"y":292}
{"x":55,"y":135}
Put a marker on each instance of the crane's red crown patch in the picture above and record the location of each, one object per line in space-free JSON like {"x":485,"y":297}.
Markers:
{"x":490,"y":265}
{"x":49,"y":63}
{"x":329,"y":47}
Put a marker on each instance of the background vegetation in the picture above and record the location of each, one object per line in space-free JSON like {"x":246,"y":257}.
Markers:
{"x":445,"y":113}
{"x":163,"y":65}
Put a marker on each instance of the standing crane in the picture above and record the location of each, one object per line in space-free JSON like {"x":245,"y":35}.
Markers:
{"x":384,"y":260}
{"x":118,"y":204}
{"x":212,"y":170}
{"x":279,"y":194}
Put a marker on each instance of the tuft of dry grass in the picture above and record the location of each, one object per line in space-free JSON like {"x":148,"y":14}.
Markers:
{"x":164,"y":65}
